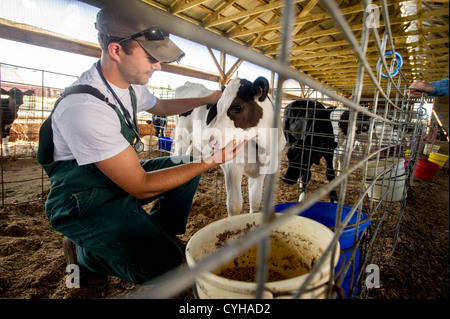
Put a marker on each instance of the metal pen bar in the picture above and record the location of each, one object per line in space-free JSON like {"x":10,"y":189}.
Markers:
{"x":175,"y":281}
{"x":268,"y":213}
{"x":169,"y":284}
{"x":342,"y":24}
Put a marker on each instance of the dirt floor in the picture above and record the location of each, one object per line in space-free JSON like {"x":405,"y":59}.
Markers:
{"x":32,"y":262}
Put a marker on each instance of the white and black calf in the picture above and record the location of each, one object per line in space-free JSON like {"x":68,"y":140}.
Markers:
{"x":340,"y":119}
{"x":310,"y":137}
{"x":199,"y":117}
{"x":244,"y":112}
{"x":9,"y":112}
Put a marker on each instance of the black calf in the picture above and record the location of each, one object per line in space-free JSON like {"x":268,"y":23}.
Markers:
{"x":309,"y":132}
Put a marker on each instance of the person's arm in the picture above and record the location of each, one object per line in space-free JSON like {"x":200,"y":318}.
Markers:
{"x":177,"y":106}
{"x":440,"y":88}
{"x":125,"y":171}
{"x":432,"y":89}
{"x":417,"y":88}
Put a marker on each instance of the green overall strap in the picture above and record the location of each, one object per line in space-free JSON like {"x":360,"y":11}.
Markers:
{"x":84,"y":88}
{"x":45,"y":149}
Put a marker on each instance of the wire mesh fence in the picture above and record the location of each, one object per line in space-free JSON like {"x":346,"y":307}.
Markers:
{"x":375,"y":131}
{"x":374,"y":160}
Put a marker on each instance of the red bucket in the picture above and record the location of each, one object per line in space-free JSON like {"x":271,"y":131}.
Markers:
{"x":426,"y":170}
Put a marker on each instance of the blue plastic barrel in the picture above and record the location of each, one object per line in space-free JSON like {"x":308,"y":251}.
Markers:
{"x":325,"y":213}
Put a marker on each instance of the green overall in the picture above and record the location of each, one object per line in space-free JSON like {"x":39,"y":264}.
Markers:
{"x":113,"y":234}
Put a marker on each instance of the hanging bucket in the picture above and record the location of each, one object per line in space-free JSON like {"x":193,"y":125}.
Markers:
{"x":391,"y":151}
{"x":428,"y":149}
{"x":325,"y":213}
{"x":393,"y":167}
{"x":407,"y":153}
{"x":165,"y":143}
{"x":295,"y":247}
{"x":426,"y":170}
{"x":148,"y":141}
{"x":406,"y":162}
{"x":394,"y":187}
{"x":437,"y":158}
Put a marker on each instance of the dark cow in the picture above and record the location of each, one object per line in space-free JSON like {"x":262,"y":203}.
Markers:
{"x":9,"y":112}
{"x":159,"y":124}
{"x":310,"y":136}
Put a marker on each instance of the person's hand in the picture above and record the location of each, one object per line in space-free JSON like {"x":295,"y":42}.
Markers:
{"x":214,"y":97}
{"x":230,"y":151}
{"x":417,"y":88}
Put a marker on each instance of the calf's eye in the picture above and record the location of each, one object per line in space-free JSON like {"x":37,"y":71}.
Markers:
{"x":236,"y":108}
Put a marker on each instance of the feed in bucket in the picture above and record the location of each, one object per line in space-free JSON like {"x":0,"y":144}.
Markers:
{"x":296,"y":247}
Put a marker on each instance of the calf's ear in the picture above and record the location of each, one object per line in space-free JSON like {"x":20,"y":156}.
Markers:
{"x":28,"y":92}
{"x":261,"y":85}
{"x":4,"y":91}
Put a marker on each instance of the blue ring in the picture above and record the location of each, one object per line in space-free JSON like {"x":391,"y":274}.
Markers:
{"x":421,"y":108}
{"x":397,"y":69}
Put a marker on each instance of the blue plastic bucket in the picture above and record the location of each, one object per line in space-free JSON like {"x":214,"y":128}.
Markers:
{"x":164,"y":143}
{"x":325,"y":213}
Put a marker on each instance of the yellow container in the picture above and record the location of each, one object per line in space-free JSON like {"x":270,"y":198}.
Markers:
{"x":437,"y":158}
{"x":406,"y":153}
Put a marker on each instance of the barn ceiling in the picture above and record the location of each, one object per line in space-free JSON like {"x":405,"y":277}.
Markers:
{"x":420,"y":33}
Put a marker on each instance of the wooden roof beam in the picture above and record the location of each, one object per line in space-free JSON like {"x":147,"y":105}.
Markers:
{"x":181,"y":5}
{"x":257,"y":10}
{"x":32,"y":35}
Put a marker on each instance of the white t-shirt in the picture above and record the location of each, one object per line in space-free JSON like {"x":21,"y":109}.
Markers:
{"x":86,"y":129}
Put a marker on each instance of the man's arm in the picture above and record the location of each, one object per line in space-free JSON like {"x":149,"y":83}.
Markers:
{"x":432,"y":89}
{"x":125,"y":171}
{"x":177,"y":106}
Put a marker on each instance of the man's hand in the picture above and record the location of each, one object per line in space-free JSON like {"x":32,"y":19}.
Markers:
{"x":214,"y":97}
{"x":417,"y":88}
{"x":227,"y":153}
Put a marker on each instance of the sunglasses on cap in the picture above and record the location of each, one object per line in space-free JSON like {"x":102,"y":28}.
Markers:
{"x":151,"y":34}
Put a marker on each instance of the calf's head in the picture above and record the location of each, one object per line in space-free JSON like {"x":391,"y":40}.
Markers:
{"x":16,"y":97}
{"x":243,"y":108}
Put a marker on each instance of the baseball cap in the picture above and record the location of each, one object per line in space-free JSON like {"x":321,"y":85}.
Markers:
{"x":160,"y":47}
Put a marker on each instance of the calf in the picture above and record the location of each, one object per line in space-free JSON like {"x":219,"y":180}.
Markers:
{"x":184,"y":127}
{"x":243,"y":112}
{"x":9,"y":112}
{"x":309,"y":133}
{"x":394,"y":136}
{"x":340,"y":117}
{"x":159,"y":124}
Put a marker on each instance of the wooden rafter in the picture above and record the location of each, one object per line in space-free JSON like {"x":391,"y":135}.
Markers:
{"x":319,"y":48}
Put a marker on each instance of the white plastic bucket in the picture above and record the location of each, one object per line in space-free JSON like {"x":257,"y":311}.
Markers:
{"x":394,"y":188}
{"x":149,"y":140}
{"x":295,"y":247}
{"x":429,"y":149}
{"x":393,"y":166}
